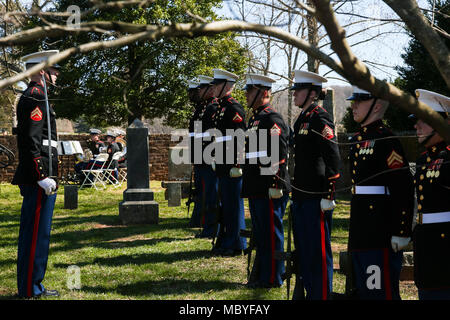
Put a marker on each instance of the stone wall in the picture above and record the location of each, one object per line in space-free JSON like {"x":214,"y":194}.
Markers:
{"x":158,"y":154}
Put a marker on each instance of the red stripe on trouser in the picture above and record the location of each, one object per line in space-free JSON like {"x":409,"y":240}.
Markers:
{"x":324,"y":257}
{"x":387,"y":274}
{"x":272,"y":240}
{"x":37,"y":214}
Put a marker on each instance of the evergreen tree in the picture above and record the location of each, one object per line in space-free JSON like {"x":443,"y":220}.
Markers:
{"x":419,"y":71}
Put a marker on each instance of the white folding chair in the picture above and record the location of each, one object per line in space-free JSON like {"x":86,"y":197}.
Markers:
{"x":108,"y":171}
{"x":94,"y":174}
{"x":123,"y":170}
{"x":122,"y":175}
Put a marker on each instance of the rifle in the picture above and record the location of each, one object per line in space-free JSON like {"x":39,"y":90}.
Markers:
{"x":9,"y":154}
{"x":245,"y":233}
{"x":289,"y":256}
{"x":191,"y":193}
{"x":218,"y":221}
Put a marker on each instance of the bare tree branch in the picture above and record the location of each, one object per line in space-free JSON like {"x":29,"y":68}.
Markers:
{"x":153,"y":32}
{"x":357,"y":73}
{"x":410,"y":13}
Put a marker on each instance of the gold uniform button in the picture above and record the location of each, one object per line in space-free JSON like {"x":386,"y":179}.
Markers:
{"x":403,"y":222}
{"x":371,"y":207}
{"x":354,"y":172}
{"x":428,"y":159}
{"x":358,"y":146}
{"x":421,"y":177}
{"x":420,"y":187}
{"x":421,"y":197}
{"x":355,"y":163}
{"x":419,"y":207}
{"x":359,"y":138}
{"x":401,"y":232}
{"x":403,"y":212}
{"x":356,"y":154}
{"x":442,"y":235}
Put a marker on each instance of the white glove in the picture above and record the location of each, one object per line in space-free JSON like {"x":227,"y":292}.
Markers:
{"x":235,"y":172}
{"x":213,"y":165}
{"x":102,"y":149}
{"x":399,"y":243}
{"x":275,"y":193}
{"x":327,"y":205}
{"x":48,"y":184}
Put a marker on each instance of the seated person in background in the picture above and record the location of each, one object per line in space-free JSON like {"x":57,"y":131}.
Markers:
{"x":112,"y":147}
{"x":122,"y":143}
{"x":120,"y":140}
{"x":85,"y":161}
{"x":95,"y":144}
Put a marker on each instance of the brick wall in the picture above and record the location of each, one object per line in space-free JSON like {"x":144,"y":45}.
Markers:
{"x":158,"y":155}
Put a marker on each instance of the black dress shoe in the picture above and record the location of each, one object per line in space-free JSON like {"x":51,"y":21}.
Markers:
{"x":217,"y":251}
{"x":48,"y":293}
{"x":231,"y":253}
{"x":260,"y":285}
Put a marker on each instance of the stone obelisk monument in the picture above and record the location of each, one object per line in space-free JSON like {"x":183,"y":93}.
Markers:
{"x":138,"y":205}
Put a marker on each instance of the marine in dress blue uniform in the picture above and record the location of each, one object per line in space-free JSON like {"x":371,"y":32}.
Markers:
{"x":431,"y":235}
{"x":317,"y":164}
{"x":382,"y":202}
{"x":230,"y":115}
{"x":265,"y":181}
{"x":206,"y":183}
{"x":32,"y":176}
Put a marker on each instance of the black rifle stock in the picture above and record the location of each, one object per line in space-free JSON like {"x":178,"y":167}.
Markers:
{"x":248,"y":234}
{"x":191,"y":193}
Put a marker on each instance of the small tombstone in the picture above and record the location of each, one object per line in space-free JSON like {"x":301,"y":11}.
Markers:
{"x":71,"y":197}
{"x":174,"y":194}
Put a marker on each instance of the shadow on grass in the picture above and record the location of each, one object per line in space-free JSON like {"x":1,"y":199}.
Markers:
{"x":166,"y":287}
{"x":109,"y":229}
{"x":144,"y":258}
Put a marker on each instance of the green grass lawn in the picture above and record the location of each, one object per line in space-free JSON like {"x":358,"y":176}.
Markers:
{"x":159,"y":262}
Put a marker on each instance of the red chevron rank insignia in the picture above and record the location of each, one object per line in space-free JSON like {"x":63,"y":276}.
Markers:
{"x":394,"y":160}
{"x":275,"y":130}
{"x":237,"y":118}
{"x":36,"y":114}
{"x":327,"y":132}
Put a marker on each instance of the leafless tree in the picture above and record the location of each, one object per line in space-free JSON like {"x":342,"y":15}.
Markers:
{"x":348,"y":66}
